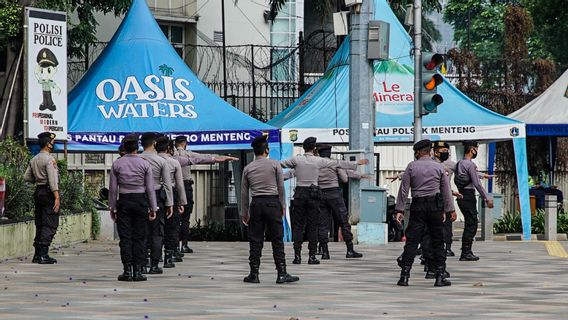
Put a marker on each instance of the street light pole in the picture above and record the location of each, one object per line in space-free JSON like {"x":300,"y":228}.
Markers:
{"x":224,"y":51}
{"x":417,"y":74}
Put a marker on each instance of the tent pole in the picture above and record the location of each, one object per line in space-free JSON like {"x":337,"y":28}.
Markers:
{"x":224,"y":51}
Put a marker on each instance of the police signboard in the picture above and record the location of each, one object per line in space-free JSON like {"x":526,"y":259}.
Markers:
{"x":46,"y":73}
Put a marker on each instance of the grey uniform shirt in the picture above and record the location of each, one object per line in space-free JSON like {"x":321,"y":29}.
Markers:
{"x":186,"y":158}
{"x":308,"y":166}
{"x":161,"y":174}
{"x":329,"y":177}
{"x":264,"y":178}
{"x":468,"y":167}
{"x":42,"y":170}
{"x":426,"y":178}
{"x":176,"y":178}
{"x":131,"y":174}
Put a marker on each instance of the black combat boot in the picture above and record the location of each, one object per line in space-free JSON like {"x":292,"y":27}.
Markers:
{"x":177,"y":255}
{"x":312,"y":258}
{"x":441,"y":280}
{"x":430,"y":270}
{"x":146,"y":266}
{"x":44,"y":257}
{"x":466,"y":254}
{"x":138,"y":276}
{"x":351,"y":253}
{"x":404,"y":275}
{"x":127,"y":273}
{"x":185,"y":248}
{"x":319,"y":248}
{"x":168,"y":259}
{"x":449,"y":252}
{"x":155,"y":269}
{"x":253,"y":275}
{"x":297,"y":256}
{"x":284,"y":276}
{"x":37,"y":254}
{"x":324,"y":251}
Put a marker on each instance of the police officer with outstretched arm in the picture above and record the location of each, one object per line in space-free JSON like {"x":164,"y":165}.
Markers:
{"x":132,"y":202}
{"x":467,"y":179}
{"x":431,"y":201}
{"x":186,"y":158}
{"x":333,"y":204}
{"x":42,"y":171}
{"x":263,"y":178}
{"x":308,"y":194}
{"x":164,"y":201}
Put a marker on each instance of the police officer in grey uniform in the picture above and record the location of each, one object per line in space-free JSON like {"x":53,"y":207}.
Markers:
{"x":307,"y":196}
{"x":132,"y":202}
{"x":333,"y":204}
{"x":164,"y":200}
{"x":264,"y":179}
{"x":42,"y":171}
{"x":171,"y":237}
{"x":431,"y":201}
{"x":186,"y":158}
{"x":467,"y":179}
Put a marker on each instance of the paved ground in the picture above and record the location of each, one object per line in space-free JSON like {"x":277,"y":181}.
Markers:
{"x":513,"y":280}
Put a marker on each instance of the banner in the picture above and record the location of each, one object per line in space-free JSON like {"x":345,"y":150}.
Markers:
{"x":46,"y":75}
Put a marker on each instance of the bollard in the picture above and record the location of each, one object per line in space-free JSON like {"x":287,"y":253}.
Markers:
{"x":550,"y":216}
{"x":486,"y":222}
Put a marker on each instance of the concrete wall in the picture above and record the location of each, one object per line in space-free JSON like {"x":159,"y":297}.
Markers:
{"x":17,"y":238}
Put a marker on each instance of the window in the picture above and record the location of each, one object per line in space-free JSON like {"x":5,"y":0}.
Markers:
{"x":175,"y":34}
{"x":283,"y":34}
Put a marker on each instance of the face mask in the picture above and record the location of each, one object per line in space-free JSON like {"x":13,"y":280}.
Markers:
{"x":50,"y":146}
{"x":444,"y":156}
{"x":474,"y":155}
{"x":417,"y":156}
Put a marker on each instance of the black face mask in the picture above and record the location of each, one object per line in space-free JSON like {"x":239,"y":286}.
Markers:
{"x":50,"y":147}
{"x":416,"y":155}
{"x":444,"y":156}
{"x":474,"y":155}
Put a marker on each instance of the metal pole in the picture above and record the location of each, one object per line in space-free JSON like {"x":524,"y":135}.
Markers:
{"x":224,"y":51}
{"x":417,"y":75}
{"x":253,"y":111}
{"x":361,"y":106}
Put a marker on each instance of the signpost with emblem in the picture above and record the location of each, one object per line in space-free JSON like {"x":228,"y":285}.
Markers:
{"x":46,"y":73}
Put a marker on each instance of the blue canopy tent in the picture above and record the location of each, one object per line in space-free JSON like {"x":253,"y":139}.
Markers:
{"x":323,"y":111}
{"x":547,"y":116}
{"x":139,"y":83}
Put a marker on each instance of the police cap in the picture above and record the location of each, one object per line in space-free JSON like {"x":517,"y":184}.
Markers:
{"x":181,"y":138}
{"x":130,"y":138}
{"x":258,"y":141}
{"x":309,"y":143}
{"x":422,"y":144}
{"x":46,"y":134}
{"x":46,"y":58}
{"x":440,"y":144}
{"x":324,"y":147}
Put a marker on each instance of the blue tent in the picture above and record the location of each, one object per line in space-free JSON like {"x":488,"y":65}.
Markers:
{"x":139,"y":83}
{"x":323,"y":111}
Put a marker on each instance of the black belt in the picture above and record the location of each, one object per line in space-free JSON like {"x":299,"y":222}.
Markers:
{"x":424,"y":199}
{"x":306,"y":188}
{"x":331,"y":189}
{"x":43,"y":186}
{"x":188,"y":182}
{"x":466,"y":191}
{"x":128,"y":196}
{"x":272,"y":196}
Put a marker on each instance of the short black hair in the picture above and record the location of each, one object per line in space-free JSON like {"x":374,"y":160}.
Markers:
{"x":162,"y":144}
{"x":147,"y":139}
{"x":324,"y":150}
{"x":130,"y":143}
{"x":260,"y":148}
{"x":43,"y":141}
{"x":309,"y":144}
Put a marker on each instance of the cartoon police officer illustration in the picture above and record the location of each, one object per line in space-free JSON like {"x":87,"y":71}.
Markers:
{"x":45,"y":72}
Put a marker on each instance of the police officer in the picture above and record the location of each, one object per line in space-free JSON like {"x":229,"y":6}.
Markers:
{"x":132,"y":202}
{"x":172,"y":224}
{"x":307,"y":196}
{"x":431,"y":201}
{"x":186,"y":158}
{"x":264,"y":179}
{"x":467,"y":179}
{"x":333,"y":204}
{"x":42,"y":171}
{"x":164,"y":201}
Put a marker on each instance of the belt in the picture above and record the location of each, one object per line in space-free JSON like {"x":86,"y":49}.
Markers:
{"x":127,"y":196}
{"x":272,"y":196}
{"x":305,"y":188}
{"x":423,"y":199}
{"x":42,"y":186}
{"x":188,"y":182}
{"x":467,"y":190}
{"x":331,"y":189}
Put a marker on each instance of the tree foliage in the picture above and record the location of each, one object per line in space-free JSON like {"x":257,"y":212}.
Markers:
{"x":10,"y":20}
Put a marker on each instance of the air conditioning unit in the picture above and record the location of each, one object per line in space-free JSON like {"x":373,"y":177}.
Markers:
{"x":351,"y":3}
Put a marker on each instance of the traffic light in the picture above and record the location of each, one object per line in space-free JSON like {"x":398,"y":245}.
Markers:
{"x":431,"y":79}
